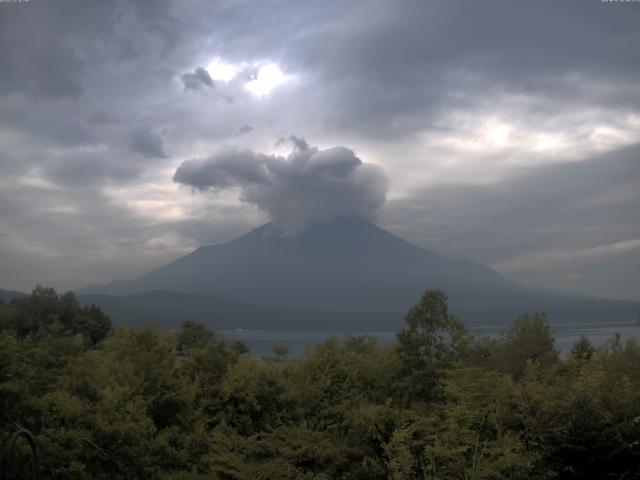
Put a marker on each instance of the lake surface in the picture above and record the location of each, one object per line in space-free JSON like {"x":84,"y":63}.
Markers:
{"x":261,"y":341}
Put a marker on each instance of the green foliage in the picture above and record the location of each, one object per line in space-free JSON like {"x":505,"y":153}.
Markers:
{"x":431,"y":342}
{"x":254,"y":397}
{"x":528,"y":340}
{"x":193,"y":335}
{"x":438,"y":403}
{"x":280,"y":351}
{"x":45,"y":313}
{"x":582,"y":350}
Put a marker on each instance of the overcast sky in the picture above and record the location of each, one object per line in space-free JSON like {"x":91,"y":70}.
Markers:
{"x":505,"y":132}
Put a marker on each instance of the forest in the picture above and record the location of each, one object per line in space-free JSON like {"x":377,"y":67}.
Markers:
{"x":438,"y":403}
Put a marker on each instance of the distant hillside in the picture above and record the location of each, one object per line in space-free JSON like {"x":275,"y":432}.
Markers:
{"x":347,"y":273}
{"x":348,"y":264}
{"x":168,"y":309}
{"x":7,"y":295}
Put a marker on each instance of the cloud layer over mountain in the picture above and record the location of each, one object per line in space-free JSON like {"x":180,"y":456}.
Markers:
{"x":470,"y":108}
{"x":308,"y":186}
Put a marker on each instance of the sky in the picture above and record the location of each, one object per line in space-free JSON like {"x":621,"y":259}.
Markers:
{"x":503,"y":132}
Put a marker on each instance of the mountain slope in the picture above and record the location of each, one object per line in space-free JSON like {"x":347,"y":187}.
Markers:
{"x":168,"y":309}
{"x":347,"y":273}
{"x":8,"y":295}
{"x":347,"y":264}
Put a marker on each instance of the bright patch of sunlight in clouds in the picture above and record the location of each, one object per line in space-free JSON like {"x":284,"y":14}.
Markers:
{"x":530,"y":141}
{"x":546,"y":257}
{"x":221,"y":70}
{"x":545,"y":142}
{"x":268,"y":78}
{"x":497,"y":133}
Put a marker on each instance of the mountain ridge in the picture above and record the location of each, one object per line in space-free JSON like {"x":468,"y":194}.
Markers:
{"x":356,"y":273}
{"x":344,"y":246}
{"x":8,"y":295}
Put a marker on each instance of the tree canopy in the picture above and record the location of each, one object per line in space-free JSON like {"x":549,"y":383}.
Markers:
{"x":439,"y":403}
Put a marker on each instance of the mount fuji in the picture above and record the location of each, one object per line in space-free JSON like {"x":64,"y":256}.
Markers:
{"x":346,"y":274}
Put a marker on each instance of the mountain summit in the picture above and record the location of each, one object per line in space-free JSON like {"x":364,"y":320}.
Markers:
{"x":347,"y":263}
{"x":348,"y":273}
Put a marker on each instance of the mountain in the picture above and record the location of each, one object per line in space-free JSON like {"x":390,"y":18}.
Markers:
{"x":168,"y":309}
{"x":8,"y":295}
{"x":346,"y":274}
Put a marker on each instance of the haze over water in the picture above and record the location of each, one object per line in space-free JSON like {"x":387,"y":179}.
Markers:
{"x":262,"y":341}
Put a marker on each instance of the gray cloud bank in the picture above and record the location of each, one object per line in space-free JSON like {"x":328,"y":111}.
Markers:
{"x":197,"y":79}
{"x":147,"y":143}
{"x":101,"y":100}
{"x":308,"y":186}
{"x":567,"y":226}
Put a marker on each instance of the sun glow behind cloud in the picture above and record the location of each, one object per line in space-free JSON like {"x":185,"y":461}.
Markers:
{"x":553,"y":256}
{"x":221,"y":70}
{"x":497,"y":134}
{"x":269,"y":77}
{"x":265,"y":77}
{"x":474,"y":134}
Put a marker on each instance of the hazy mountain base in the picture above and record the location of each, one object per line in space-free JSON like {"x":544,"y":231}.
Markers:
{"x":347,"y":274}
{"x":438,"y":403}
{"x":7,"y":295}
{"x":168,"y":309}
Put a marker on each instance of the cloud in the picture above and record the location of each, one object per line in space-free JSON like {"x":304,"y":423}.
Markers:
{"x":452,"y":100}
{"x":197,"y":79}
{"x":50,"y":49}
{"x":308,"y":186}
{"x":539,"y":223}
{"x":87,"y":167}
{"x":567,"y":255}
{"x":147,"y":143}
{"x":39,"y":62}
{"x":243,"y":130}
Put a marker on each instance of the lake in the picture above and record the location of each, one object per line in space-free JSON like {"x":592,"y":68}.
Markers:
{"x":261,"y":341}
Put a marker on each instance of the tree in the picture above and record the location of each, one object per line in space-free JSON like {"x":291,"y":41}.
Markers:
{"x":46,"y":313}
{"x":193,"y":335}
{"x":240,"y":348}
{"x":429,"y":343}
{"x":529,"y":339}
{"x":280,"y":351}
{"x":437,"y":404}
{"x":582,"y":350}
{"x":254,"y":397}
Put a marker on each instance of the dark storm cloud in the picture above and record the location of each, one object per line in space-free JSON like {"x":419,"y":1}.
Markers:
{"x":36,"y":57}
{"x":406,"y":68}
{"x":310,"y":185}
{"x":226,"y":169}
{"x":62,"y":61}
{"x":47,"y":73}
{"x":48,"y":47}
{"x":147,"y":143}
{"x":197,"y":79}
{"x":89,"y":168}
{"x":543,"y":205}
{"x":520,"y":222}
{"x":101,"y":118}
{"x":243,"y":130}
